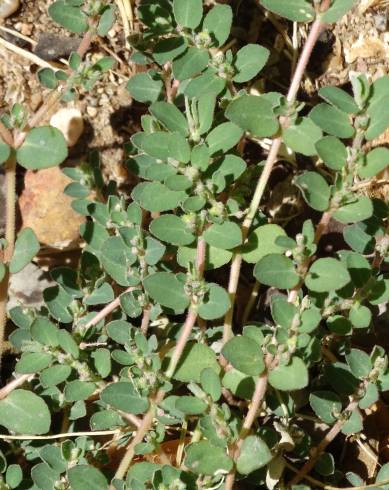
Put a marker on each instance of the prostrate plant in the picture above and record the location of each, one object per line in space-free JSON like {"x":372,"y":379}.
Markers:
{"x":131,"y":345}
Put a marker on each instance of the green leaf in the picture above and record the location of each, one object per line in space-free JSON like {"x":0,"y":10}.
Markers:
{"x":156,"y":197}
{"x":223,"y":137}
{"x":190,"y":405}
{"x":105,"y":420}
{"x":24,"y":412}
{"x":44,"y":476}
{"x":67,"y":343}
{"x":254,"y":454}
{"x":229,"y":167}
{"x":123,"y":396}
{"x":326,"y":405}
{"x":239,"y":384}
{"x":354,"y":424}
{"x":218,"y":23}
{"x":245,"y":355}
{"x":302,"y":136}
{"x":58,"y":301}
{"x":170,"y":116}
{"x":5,"y":151}
{"x":119,"y":331}
{"x":337,"y":10}
{"x":83,"y":477}
{"x":360,"y":316}
{"x":102,"y":295}
{"x":195,"y":358}
{"x":207,"y":83}
{"x":205,"y":459}
{"x":154,"y":251}
{"x":283,"y":312}
{"x":78,"y":390}
{"x":171,"y":229}
{"x":178,"y":183}
{"x":332,"y":120}
{"x":249,"y":62}
{"x":315,"y":190}
{"x":168,"y":49}
{"x":144,"y":88}
{"x":332,"y":151}
{"x":339,"y":98}
{"x":253,"y":114}
{"x":166,"y":290}
{"x":43,"y":147}
{"x":116,"y":258}
{"x":289,"y":377}
{"x":47,"y":78}
{"x":358,"y":210}
{"x":55,"y":375}
{"x":14,"y":475}
{"x":276,"y":270}
{"x":374,"y":162}
{"x":327,"y":274}
{"x":33,"y":362}
{"x":210,"y":383}
{"x":67,"y":278}
{"x":356,"y":237}
{"x":44,"y":332}
{"x":107,"y":20}
{"x":215,"y":303}
{"x":359,"y":363}
{"x":379,"y":119}
{"x":226,"y":236}
{"x":190,"y":63}
{"x":383,"y":475}
{"x":325,"y":464}
{"x":26,"y":247}
{"x":70,"y":17}
{"x":296,"y":10}
{"x":214,"y":257}
{"x":188,"y":13}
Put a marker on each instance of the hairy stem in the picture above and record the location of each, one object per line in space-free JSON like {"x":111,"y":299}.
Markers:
{"x":313,"y":36}
{"x":10,"y":183}
{"x":320,"y":448}
{"x":55,"y":95}
{"x":259,"y":393}
{"x":108,"y":309}
{"x":15,"y":383}
{"x":174,"y":360}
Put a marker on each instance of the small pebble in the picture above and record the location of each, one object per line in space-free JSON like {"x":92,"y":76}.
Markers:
{"x":91,"y":111}
{"x":69,"y":121}
{"x":8,"y":7}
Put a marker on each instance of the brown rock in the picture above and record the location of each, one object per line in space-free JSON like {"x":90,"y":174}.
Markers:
{"x":46,"y":209}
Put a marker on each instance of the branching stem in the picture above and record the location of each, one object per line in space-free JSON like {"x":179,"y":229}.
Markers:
{"x":174,"y":360}
{"x":313,"y":36}
{"x":320,"y":448}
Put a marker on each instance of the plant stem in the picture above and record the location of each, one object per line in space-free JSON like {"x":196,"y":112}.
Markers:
{"x":108,"y":309}
{"x":59,"y":436}
{"x":319,"y":449}
{"x":145,"y":320}
{"x":313,"y":36}
{"x":55,"y":95}
{"x":250,"y":303}
{"x":259,"y":393}
{"x":10,"y":183}
{"x":330,"y":487}
{"x":174,"y":360}
{"x":15,"y":383}
{"x":15,"y":141}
